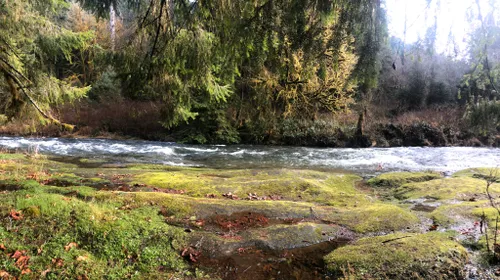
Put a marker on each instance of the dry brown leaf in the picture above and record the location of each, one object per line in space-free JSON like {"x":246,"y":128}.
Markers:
{"x":70,"y":245}
{"x":44,"y":273}
{"x":22,"y":262}
{"x":58,"y":262}
{"x":82,"y":277}
{"x":17,"y":254}
{"x":15,"y":215}
{"x":25,"y":271}
{"x":2,"y":247}
{"x":4,"y":275}
{"x":82,"y":258}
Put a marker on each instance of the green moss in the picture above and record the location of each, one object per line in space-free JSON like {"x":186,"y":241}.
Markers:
{"x":462,"y":188}
{"x":400,"y":256}
{"x":397,"y":179}
{"x":32,"y":211}
{"x":450,"y":214}
{"x":297,"y":185}
{"x":92,"y":160}
{"x":473,"y":172}
{"x":375,"y":217}
{"x":113,"y":242}
{"x":12,"y":156}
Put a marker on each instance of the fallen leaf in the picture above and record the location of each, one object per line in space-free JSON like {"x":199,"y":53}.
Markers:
{"x":82,"y":258}
{"x":15,"y":215}
{"x":70,"y":245}
{"x":44,"y":273}
{"x":22,"y":262}
{"x":58,"y":262}
{"x":17,"y":254}
{"x":2,"y":247}
{"x":4,"y":275}
{"x":25,"y":271}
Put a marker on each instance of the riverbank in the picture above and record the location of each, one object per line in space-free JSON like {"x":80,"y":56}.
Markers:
{"x":381,"y":136}
{"x":428,"y":128}
{"x":143,"y":221}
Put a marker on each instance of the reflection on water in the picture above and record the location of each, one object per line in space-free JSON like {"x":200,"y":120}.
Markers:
{"x":367,"y":161}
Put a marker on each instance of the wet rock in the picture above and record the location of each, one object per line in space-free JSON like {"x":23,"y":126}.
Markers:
{"x":474,"y":142}
{"x":274,"y":238}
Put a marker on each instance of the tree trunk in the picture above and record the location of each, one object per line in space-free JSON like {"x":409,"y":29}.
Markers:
{"x":112,"y":24}
{"x":360,"y":130}
{"x":16,"y":104}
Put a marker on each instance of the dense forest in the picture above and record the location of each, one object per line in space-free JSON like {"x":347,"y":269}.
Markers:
{"x":292,"y":72}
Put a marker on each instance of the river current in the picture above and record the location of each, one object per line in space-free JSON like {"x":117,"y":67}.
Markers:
{"x":365,"y":161}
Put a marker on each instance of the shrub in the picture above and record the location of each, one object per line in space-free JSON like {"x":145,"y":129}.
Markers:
{"x":484,"y":118}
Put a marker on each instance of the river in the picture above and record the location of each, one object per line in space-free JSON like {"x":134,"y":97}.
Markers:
{"x":364,"y":161}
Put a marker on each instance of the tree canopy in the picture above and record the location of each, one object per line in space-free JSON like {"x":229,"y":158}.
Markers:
{"x":219,"y":67}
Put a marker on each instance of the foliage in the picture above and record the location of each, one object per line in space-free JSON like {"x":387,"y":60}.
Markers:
{"x":32,"y":45}
{"x":484,"y":118}
{"x":224,"y":71}
{"x":483,"y":78}
{"x":320,"y":132}
{"x":288,"y":57}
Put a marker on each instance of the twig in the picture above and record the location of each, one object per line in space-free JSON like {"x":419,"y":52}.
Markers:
{"x":485,"y":224}
{"x":490,"y":180}
{"x":496,"y":231}
{"x":395,"y":239}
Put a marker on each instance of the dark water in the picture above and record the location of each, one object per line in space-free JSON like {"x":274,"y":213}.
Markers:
{"x":366,"y":161}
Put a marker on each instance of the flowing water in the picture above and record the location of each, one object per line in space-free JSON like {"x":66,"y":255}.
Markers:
{"x":365,"y":161}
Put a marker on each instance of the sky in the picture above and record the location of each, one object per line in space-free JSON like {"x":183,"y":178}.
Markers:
{"x":452,"y":16}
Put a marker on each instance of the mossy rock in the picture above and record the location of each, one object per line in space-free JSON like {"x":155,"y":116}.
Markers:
{"x":474,"y":172}
{"x":458,"y":214}
{"x":461,"y":188}
{"x":377,"y":217}
{"x":400,"y":256}
{"x":296,"y":185}
{"x":396,"y":179}
{"x":276,"y":237}
{"x":479,"y":173}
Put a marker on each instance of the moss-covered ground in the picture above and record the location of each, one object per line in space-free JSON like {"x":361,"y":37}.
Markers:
{"x":87,"y":219}
{"x":401,"y":256}
{"x":397,"y":179}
